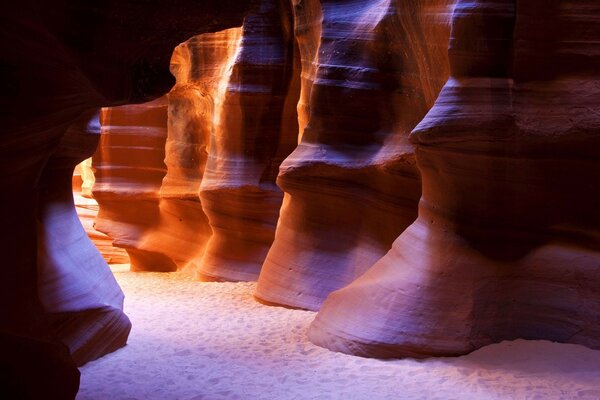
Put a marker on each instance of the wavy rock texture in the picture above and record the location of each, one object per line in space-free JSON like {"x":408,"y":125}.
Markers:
{"x":83,"y":178}
{"x":200,"y":67}
{"x":371,"y":70}
{"x":58,"y":61}
{"x":231,"y":121}
{"x":507,"y":243}
{"x":87,"y":210}
{"x":129,"y":172}
{"x":255,"y":128}
{"x":169,"y":229}
{"x":75,"y":285}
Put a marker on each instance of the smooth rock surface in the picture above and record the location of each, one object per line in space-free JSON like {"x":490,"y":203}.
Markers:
{"x":76,"y":287}
{"x":231,"y":121}
{"x":58,"y":61}
{"x":370,"y":72}
{"x":87,"y":210}
{"x":255,"y":128}
{"x":130,"y":167}
{"x":507,"y":243}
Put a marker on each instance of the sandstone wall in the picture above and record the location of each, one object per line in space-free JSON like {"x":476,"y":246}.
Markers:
{"x":370,"y":71}
{"x":506,"y":244}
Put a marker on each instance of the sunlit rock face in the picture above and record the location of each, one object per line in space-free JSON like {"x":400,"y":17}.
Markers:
{"x":77,"y":289}
{"x":506,"y":244}
{"x":130,"y":167}
{"x":152,"y":158}
{"x":370,"y":72}
{"x":200,"y":66}
{"x":59,"y":61}
{"x":255,"y":128}
{"x":231,"y":121}
{"x":87,"y":210}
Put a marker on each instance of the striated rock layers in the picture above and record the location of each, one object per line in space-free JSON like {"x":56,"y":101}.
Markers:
{"x":255,"y":128}
{"x":231,"y":121}
{"x":152,"y":158}
{"x":507,"y":242}
{"x":59,"y":60}
{"x":129,"y":170}
{"x":199,"y":66}
{"x":87,"y":210}
{"x":370,"y":72}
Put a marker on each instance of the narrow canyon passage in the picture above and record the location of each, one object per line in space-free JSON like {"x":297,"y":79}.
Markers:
{"x":300,"y":199}
{"x":213,"y":341}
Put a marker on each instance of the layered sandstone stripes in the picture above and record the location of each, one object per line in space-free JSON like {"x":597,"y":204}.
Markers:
{"x":87,"y":210}
{"x":370,"y":71}
{"x":507,"y":241}
{"x":255,"y":128}
{"x":129,"y":170}
{"x":229,"y":123}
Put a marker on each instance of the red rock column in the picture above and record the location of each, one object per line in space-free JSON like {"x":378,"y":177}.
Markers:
{"x":200,"y":67}
{"x":370,"y":70}
{"x":129,"y":170}
{"x":153,"y":208}
{"x":506,"y":244}
{"x":255,"y":128}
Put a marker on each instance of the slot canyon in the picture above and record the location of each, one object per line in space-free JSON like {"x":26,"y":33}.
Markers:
{"x":300,"y":199}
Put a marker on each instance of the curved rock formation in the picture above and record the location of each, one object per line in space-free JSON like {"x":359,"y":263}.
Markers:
{"x":169,"y":228}
{"x":231,"y":121}
{"x":58,"y":62}
{"x":507,"y":243}
{"x":255,"y":128}
{"x":129,"y":171}
{"x":370,"y":70}
{"x":83,"y":178}
{"x":200,"y":69}
{"x":87,"y":210}
{"x":75,"y":285}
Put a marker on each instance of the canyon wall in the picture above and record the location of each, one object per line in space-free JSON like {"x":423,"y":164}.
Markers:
{"x":200,"y":67}
{"x":213,"y":204}
{"x":58,"y":62}
{"x":255,"y":128}
{"x":82,"y":300}
{"x":129,"y":170}
{"x":506,"y":244}
{"x":370,"y":71}
{"x":442,"y":193}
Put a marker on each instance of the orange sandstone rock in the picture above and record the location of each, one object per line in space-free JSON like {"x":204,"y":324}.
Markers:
{"x":129,"y":171}
{"x":231,"y":122}
{"x":370,"y":71}
{"x":255,"y":128}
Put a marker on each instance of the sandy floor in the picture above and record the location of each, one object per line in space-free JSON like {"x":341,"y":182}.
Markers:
{"x":193,"y":340}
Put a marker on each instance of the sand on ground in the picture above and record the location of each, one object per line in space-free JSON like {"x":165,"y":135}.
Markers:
{"x":195,"y":340}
